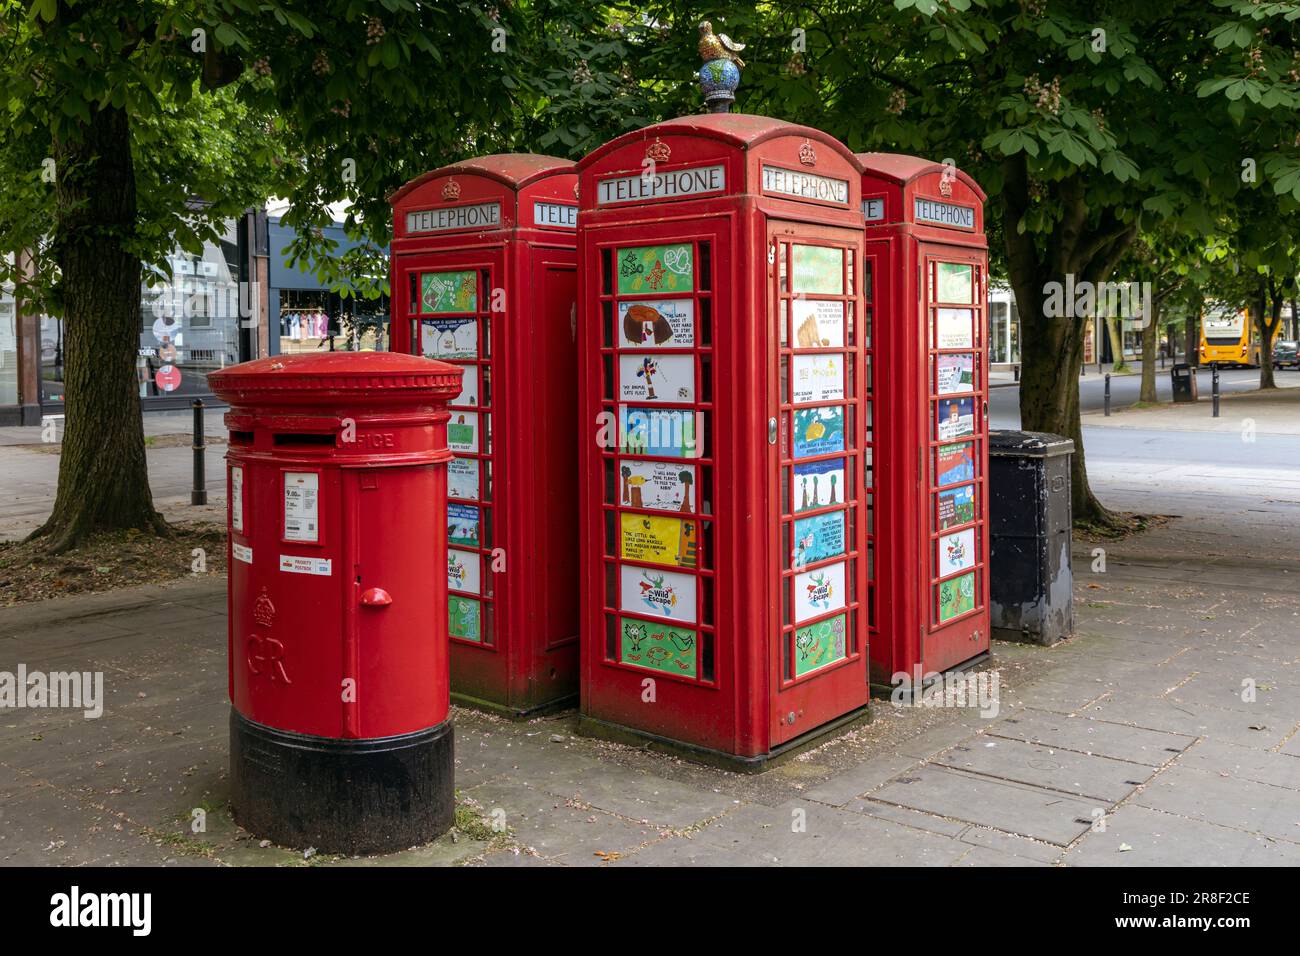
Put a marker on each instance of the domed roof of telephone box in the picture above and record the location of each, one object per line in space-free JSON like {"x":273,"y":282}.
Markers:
{"x":513,"y":170}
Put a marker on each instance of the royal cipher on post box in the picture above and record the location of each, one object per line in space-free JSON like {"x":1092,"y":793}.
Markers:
{"x":339,"y":730}
{"x":484,"y":276}
{"x":926,"y":264}
{"x":725,"y":445}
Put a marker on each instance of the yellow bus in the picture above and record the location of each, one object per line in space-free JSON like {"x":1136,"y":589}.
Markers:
{"x":1230,"y":338}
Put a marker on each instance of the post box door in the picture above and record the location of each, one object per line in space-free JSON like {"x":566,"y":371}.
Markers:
{"x":956,"y":429}
{"x":453,"y":303}
{"x":391,"y":641}
{"x":817,"y":396}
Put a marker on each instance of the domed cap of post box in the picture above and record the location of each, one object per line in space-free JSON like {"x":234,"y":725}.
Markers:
{"x":358,"y":378}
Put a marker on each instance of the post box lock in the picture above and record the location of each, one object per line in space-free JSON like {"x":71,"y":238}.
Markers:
{"x":376,"y":597}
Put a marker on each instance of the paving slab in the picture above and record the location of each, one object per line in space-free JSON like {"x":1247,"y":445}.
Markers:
{"x":1152,"y":748}
{"x":1245,"y":763}
{"x":832,"y":837}
{"x":1101,"y":779}
{"x":1228,"y":801}
{"x":1142,"y":837}
{"x":1014,"y":808}
{"x":560,"y":832}
{"x":844,"y":787}
{"x":980,"y":856}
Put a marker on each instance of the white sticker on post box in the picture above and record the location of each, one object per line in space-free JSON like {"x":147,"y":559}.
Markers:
{"x":237,"y":498}
{"x":242,"y":552}
{"x":301,"y":506}
{"x":303,"y":564}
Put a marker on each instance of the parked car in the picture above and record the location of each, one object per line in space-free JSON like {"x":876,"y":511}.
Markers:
{"x":1286,"y":354}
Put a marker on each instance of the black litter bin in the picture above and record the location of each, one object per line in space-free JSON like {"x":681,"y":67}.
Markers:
{"x":1184,"y":381}
{"x":1031,"y":582}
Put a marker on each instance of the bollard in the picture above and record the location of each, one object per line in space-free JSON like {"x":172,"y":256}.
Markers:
{"x":199,"y":494}
{"x":1214,"y":388}
{"x":1108,"y":394}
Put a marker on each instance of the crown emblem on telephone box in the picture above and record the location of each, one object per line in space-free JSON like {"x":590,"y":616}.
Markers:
{"x":658,"y":151}
{"x":807,"y":155}
{"x":451,"y":190}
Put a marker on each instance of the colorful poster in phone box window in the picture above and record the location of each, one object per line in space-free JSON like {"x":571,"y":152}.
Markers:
{"x":956,"y":418}
{"x":647,"y":377}
{"x":463,"y":571}
{"x":955,"y":374}
{"x":818,"y":323}
{"x":816,"y":378}
{"x":818,"y":270}
{"x":819,"y":591}
{"x":669,"y":432}
{"x":448,"y":292}
{"x":660,"y":485}
{"x":955,"y":463}
{"x":669,"y":594}
{"x":655,"y":269}
{"x":819,"y":644}
{"x":449,"y":338}
{"x":818,"y":431}
{"x":462,"y":478}
{"x":663,"y":323}
{"x":659,"y":647}
{"x":818,"y":484}
{"x":463,"y":525}
{"x":955,"y":552}
{"x":817,"y":538}
{"x":462,"y":431}
{"x":956,"y":506}
{"x":956,"y":596}
{"x":463,"y":618}
{"x":956,"y":282}
{"x":658,"y":540}
{"x":956,"y":329}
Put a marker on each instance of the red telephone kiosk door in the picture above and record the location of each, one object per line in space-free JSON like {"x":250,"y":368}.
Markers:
{"x":484,"y":276}
{"x":927,"y":254}
{"x":725,"y":566}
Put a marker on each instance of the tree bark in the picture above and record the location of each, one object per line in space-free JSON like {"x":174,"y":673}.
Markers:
{"x":1270,"y":307}
{"x":1149,"y":336}
{"x":103,"y":474}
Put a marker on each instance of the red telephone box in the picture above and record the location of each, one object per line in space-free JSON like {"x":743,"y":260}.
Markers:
{"x":926,"y":262}
{"x":484,"y":276}
{"x":726,"y":463}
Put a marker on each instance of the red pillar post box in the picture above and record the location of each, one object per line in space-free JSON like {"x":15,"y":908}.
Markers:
{"x":726,"y":457}
{"x":339,"y":730}
{"x":926,"y":249}
{"x":484,"y":276}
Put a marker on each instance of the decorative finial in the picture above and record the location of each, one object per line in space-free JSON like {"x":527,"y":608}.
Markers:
{"x":720,"y":74}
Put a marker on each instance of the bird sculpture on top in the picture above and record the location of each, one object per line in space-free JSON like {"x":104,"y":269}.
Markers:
{"x":718,"y":46}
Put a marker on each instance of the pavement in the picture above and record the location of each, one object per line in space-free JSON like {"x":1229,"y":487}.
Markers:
{"x":1165,"y":733}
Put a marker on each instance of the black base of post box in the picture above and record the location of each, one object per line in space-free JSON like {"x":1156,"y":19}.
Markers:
{"x":1031,"y":581}
{"x":342,"y":796}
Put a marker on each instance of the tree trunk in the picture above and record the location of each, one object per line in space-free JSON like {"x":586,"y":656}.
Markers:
{"x":1149,"y":336}
{"x":1193,"y":354}
{"x":1116,"y":337}
{"x":1266,"y":324}
{"x":103,"y":474}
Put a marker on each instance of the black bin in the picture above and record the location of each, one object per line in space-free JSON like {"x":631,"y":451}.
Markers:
{"x":1031,"y":581}
{"x":1184,"y":382}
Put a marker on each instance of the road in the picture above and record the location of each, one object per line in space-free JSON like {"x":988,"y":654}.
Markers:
{"x":1004,"y":402}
